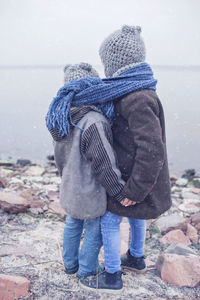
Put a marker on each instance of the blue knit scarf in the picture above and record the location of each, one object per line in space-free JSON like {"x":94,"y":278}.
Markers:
{"x":98,"y":92}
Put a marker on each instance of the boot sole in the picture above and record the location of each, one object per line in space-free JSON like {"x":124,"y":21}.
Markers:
{"x":101,"y":290}
{"x":134,"y":270}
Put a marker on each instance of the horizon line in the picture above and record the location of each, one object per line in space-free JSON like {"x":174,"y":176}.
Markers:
{"x":58,"y":66}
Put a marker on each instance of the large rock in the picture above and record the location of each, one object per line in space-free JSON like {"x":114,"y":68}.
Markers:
{"x":179,"y":266}
{"x":35,"y":171}
{"x":13,"y":203}
{"x":13,"y":287}
{"x":187,"y":193}
{"x":175,"y":236}
{"x":167,"y":223}
{"x":56,"y":208}
{"x":31,"y":196}
{"x":192,"y":233}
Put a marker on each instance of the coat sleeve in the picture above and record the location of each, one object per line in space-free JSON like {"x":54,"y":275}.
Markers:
{"x":96,"y":146}
{"x":142,"y":115}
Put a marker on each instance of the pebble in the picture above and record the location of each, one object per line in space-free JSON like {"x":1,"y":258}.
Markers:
{"x":181,"y":182}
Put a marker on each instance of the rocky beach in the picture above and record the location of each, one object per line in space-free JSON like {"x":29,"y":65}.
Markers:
{"x":32,"y":222}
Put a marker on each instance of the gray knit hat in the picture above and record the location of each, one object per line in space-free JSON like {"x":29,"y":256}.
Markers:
{"x":121,"y":48}
{"x":82,"y":70}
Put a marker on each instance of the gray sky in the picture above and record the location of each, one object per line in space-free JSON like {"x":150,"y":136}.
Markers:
{"x":34,"y":32}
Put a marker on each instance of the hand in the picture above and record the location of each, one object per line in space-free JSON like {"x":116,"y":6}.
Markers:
{"x":127,"y":202}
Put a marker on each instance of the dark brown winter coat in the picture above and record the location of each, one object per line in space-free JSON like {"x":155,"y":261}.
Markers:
{"x":140,"y":145}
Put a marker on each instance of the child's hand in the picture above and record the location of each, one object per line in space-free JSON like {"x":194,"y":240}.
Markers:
{"x":127,"y":202}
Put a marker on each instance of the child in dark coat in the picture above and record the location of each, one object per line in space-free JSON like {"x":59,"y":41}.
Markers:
{"x":140,"y":145}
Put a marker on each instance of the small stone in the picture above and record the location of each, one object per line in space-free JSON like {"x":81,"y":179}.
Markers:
{"x":173,"y":178}
{"x":167,"y":223}
{"x":6,"y":172}
{"x":35,"y":171}
{"x":52,"y":171}
{"x":181,"y":182}
{"x":180,"y":249}
{"x":50,"y":187}
{"x":148,"y":234}
{"x":195,"y":219}
{"x":50,"y":157}
{"x":3,"y":182}
{"x":13,"y":287}
{"x":175,"y":236}
{"x":189,"y":174}
{"x":192,"y":233}
{"x":52,"y":195}
{"x":13,"y":203}
{"x":36,"y":211}
{"x":45,"y":208}
{"x":23,"y":162}
{"x":195,"y":190}
{"x":56,"y":208}
{"x":5,"y":163}
{"x":190,"y":206}
{"x":179,"y":270}
{"x":197,"y":226}
{"x":3,"y":219}
{"x":188,"y":194}
{"x":26,"y":220}
{"x":150,"y":264}
{"x":56,"y":180}
{"x":17,"y":250}
{"x":196,"y":182}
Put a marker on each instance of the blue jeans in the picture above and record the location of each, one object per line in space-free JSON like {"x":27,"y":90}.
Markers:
{"x":110,"y":228}
{"x":87,"y":257}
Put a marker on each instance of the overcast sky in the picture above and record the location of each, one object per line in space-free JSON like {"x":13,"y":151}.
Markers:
{"x":48,"y":32}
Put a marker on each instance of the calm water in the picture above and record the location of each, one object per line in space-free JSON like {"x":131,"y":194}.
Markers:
{"x":26,"y":93}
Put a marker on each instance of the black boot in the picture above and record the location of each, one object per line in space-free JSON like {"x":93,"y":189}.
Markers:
{"x":133,"y":263}
{"x":104,"y":281}
{"x":71,"y":271}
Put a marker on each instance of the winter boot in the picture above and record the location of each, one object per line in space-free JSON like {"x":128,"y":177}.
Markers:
{"x":133,"y":263}
{"x":104,"y":281}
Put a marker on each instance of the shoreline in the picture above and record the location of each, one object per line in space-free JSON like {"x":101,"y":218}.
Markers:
{"x":11,"y":160}
{"x":32,"y":223}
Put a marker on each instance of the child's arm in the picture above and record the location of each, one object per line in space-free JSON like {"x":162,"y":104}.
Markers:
{"x":96,"y":146}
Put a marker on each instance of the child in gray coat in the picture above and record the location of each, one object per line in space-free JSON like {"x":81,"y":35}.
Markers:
{"x":87,"y":166}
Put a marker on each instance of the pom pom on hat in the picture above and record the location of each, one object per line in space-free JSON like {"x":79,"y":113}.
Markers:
{"x":131,"y":29}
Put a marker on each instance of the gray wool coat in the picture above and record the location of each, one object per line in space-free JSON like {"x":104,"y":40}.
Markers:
{"x":87,"y":165}
{"x":140,"y":145}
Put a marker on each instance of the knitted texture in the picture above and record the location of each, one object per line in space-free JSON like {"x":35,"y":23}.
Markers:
{"x":82,"y":70}
{"x":96,"y":91}
{"x":122,"y":47}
